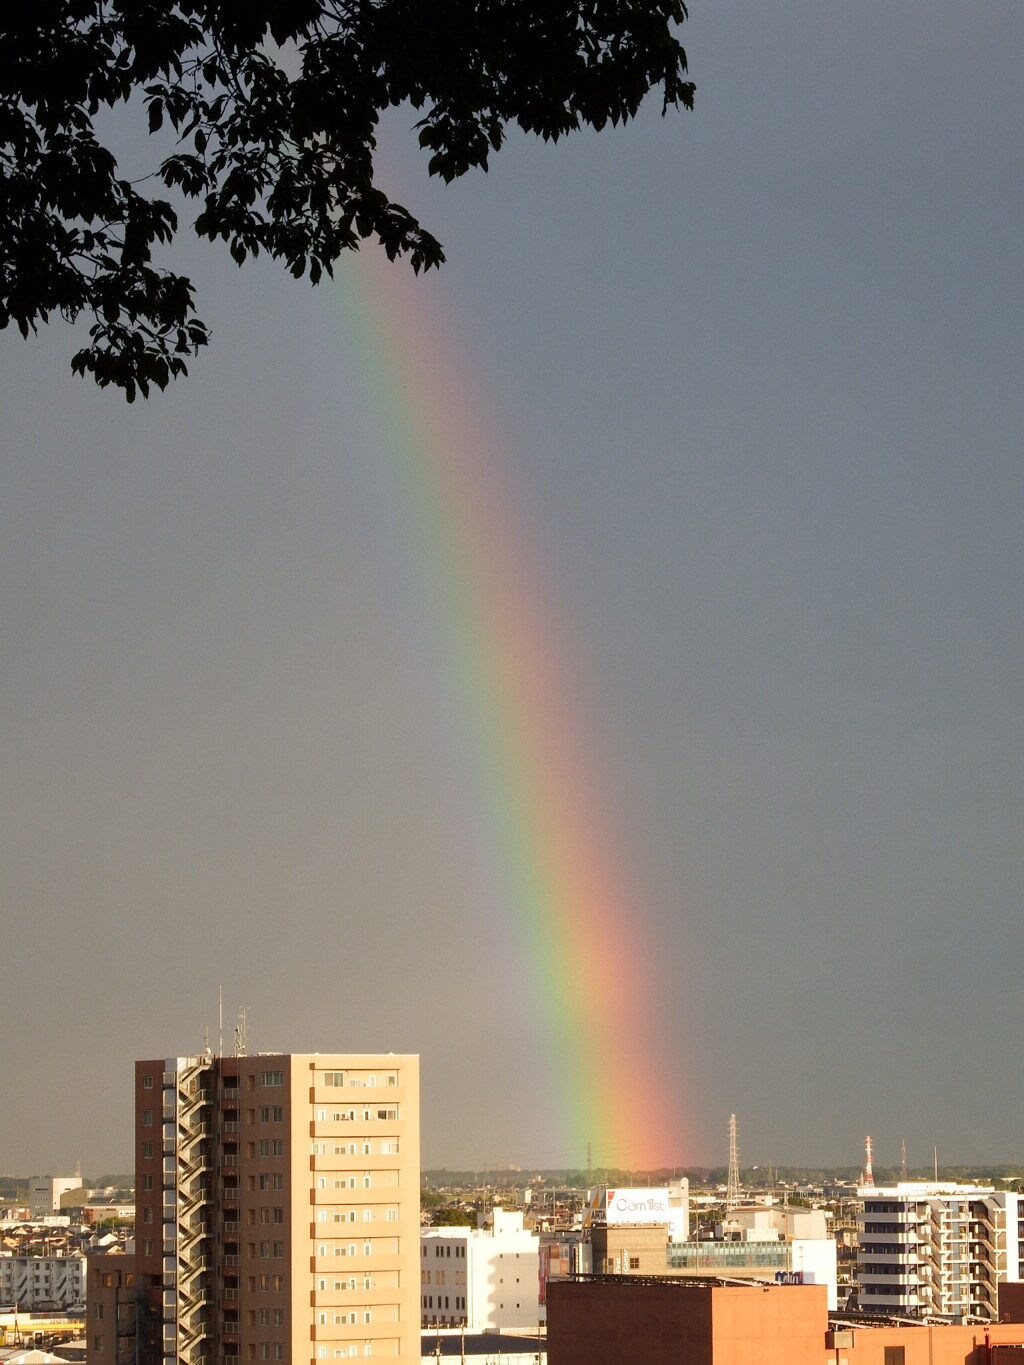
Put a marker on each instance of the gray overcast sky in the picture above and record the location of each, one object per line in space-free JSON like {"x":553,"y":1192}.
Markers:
{"x":755,"y":380}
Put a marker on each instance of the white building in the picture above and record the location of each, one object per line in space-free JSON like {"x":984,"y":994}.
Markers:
{"x":481,"y":1278}
{"x":937,"y":1249}
{"x":42,"y":1281}
{"x":44,"y":1193}
{"x":765,"y":1242}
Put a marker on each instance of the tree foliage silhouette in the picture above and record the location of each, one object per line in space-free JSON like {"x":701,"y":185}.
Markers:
{"x":272,"y":107}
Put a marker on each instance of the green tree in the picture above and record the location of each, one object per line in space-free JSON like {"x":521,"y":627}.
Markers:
{"x":453,"y":1218}
{"x":272,"y":110}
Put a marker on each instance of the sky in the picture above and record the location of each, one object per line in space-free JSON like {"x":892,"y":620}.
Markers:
{"x":742,"y":391}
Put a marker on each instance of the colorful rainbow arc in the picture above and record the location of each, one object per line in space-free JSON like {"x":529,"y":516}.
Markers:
{"x":575,"y":916}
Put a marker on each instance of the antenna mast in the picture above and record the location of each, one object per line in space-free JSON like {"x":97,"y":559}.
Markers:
{"x":869,"y":1177}
{"x":241,"y":1035}
{"x":732,"y":1185}
{"x":903,"y":1159}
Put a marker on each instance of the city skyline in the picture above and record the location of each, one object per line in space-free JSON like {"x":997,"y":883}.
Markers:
{"x":749,"y":385}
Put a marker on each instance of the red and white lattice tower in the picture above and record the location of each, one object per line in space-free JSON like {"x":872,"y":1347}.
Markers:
{"x":869,"y":1179}
{"x":732,"y":1184}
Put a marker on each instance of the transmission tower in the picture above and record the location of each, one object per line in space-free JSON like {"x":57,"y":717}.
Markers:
{"x":732,"y":1184}
{"x":869,"y":1178}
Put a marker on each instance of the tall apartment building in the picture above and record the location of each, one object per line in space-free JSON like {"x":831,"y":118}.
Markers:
{"x":277,"y":1211}
{"x":938,"y":1250}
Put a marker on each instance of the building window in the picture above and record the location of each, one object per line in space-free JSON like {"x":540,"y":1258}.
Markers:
{"x":147,"y":1215}
{"x":334,"y":1078}
{"x":147,"y":1149}
{"x":97,"y":1310}
{"x":147,"y":1182}
{"x":147,"y":1082}
{"x":147,"y":1118}
{"x":272,"y":1078}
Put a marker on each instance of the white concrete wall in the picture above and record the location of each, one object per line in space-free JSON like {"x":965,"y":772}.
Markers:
{"x":494,"y":1269}
{"x":44,"y":1192}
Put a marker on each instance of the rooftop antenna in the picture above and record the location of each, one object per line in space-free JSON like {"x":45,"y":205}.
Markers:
{"x":869,"y":1176}
{"x":220,"y":1021}
{"x":935,"y":1157}
{"x":241,"y":1034}
{"x":732,"y":1184}
{"x":206,"y":1040}
{"x":903,"y":1159}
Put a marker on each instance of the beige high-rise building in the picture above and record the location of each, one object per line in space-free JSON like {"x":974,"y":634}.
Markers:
{"x":277,"y":1211}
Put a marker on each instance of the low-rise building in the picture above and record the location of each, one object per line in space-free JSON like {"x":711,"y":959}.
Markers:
{"x":481,"y":1278}
{"x":43,"y":1281}
{"x":45,"y":1191}
{"x":620,"y":1320}
{"x":774,"y":1242}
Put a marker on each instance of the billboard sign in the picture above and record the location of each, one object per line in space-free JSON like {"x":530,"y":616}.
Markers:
{"x":636,"y":1206}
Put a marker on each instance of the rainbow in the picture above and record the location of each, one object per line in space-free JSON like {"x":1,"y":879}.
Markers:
{"x":615,"y":1085}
